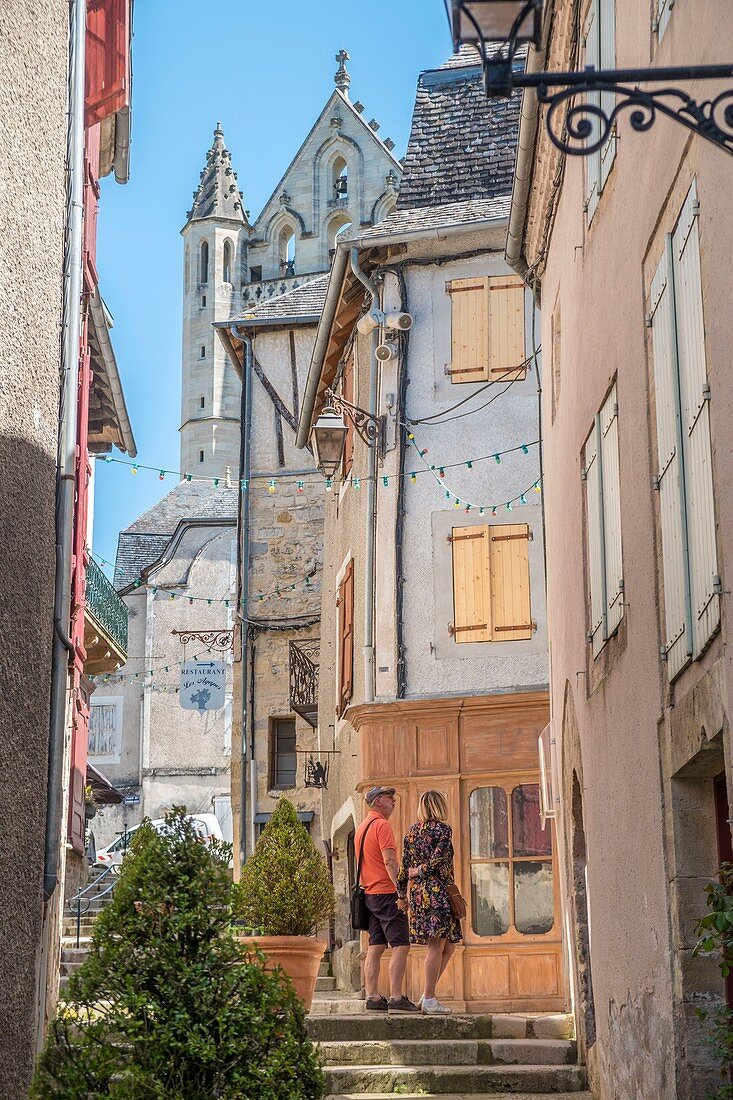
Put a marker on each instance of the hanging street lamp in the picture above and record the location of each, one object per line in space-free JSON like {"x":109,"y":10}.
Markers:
{"x":497,"y":27}
{"x":329,"y":437}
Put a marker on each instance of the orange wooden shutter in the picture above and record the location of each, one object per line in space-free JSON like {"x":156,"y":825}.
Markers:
{"x":107,"y":76}
{"x":471,"y":594}
{"x":469,"y":330}
{"x":506,"y":327}
{"x":346,"y":638}
{"x":511,"y":611}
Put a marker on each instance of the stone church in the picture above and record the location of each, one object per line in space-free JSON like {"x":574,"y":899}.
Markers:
{"x":179,"y":566}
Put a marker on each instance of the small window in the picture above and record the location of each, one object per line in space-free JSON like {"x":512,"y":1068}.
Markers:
{"x":201,"y":456}
{"x":202,"y":402}
{"x":340,"y":179}
{"x":283,"y":757}
{"x":287,"y":251}
{"x":202,"y":353}
{"x":203,"y":300}
{"x":255,"y":274}
{"x":511,"y":862}
{"x":491,"y":583}
{"x":487,"y":329}
{"x":227,"y":262}
{"x":204,"y":263}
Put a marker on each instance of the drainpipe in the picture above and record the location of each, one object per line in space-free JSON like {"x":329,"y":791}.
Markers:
{"x":63,"y":648}
{"x":371,"y":510}
{"x":244,"y":543}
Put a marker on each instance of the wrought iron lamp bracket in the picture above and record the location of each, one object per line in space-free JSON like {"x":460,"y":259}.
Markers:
{"x":370,"y":428}
{"x":586,"y":126}
{"x":213,"y":639}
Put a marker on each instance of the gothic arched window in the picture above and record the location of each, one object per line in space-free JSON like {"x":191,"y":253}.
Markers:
{"x":204,"y":262}
{"x":338,"y":224}
{"x":227,"y":262}
{"x":340,"y":179}
{"x":287,"y":250}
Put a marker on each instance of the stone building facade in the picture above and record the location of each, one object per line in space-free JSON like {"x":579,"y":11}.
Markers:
{"x":437,"y":673}
{"x":625,"y":248}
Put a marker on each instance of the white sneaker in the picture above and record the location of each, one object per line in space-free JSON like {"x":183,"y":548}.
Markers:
{"x":434,"y":1008}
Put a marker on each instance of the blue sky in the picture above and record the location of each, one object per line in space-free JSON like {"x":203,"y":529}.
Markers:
{"x":265,"y":71}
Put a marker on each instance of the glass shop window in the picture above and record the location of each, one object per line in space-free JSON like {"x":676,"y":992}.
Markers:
{"x":511,"y":862}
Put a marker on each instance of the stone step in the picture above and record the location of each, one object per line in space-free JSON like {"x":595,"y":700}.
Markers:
{"x":447,"y":1079}
{"x":339,"y":1019}
{"x":454,"y":1052}
{"x":463,"y":1096}
{"x":325,"y":983}
{"x":325,"y":969}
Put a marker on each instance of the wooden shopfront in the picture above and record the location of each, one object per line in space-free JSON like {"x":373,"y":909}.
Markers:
{"x":481,"y":753}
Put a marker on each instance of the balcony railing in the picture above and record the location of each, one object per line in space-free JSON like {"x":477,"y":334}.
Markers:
{"x":304,"y":661}
{"x":106,"y":607}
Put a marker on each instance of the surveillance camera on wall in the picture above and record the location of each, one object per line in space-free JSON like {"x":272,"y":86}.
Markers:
{"x":369,"y":321}
{"x":399,"y":322}
{"x":385,"y":352}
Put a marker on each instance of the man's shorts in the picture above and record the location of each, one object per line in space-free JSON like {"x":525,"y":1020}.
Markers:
{"x":387,"y":923}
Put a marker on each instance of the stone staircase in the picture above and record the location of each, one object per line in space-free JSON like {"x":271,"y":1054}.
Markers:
{"x":461,"y":1057}
{"x":72,"y":956}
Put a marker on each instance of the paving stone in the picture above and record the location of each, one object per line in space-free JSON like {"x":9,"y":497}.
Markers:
{"x":451,"y":1079}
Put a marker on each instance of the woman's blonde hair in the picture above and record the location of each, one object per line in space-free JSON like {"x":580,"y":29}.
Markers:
{"x":432,"y":807}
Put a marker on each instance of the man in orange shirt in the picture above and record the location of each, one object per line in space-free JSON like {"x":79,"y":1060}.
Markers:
{"x":387,"y":913}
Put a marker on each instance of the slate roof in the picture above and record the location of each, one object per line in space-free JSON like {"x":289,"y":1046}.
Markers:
{"x":462,"y":145}
{"x":145,"y":540}
{"x":217,"y":194}
{"x":303,"y":301}
{"x":437,"y":217}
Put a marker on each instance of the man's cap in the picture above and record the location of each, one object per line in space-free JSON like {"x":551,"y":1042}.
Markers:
{"x":374,"y":793}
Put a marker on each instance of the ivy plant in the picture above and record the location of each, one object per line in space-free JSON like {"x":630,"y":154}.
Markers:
{"x":715,"y":932}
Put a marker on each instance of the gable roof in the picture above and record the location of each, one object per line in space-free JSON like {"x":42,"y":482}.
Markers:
{"x":462,"y":145}
{"x":142,"y":543}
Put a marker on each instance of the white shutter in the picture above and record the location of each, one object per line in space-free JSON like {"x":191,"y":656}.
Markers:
{"x":670,"y":476}
{"x":695,"y":412}
{"x":592,"y":162}
{"x":607,"y":53}
{"x":611,"y":511}
{"x":663,"y":13}
{"x":596,"y":564}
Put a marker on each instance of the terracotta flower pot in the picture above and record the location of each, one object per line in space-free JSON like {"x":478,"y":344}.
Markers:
{"x":299,"y":956}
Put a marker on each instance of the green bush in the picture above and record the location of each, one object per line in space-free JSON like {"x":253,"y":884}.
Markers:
{"x":285,"y":888}
{"x":166,"y":1006}
{"x":716,"y":934}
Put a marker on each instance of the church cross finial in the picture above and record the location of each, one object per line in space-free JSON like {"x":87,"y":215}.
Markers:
{"x":341,"y":77}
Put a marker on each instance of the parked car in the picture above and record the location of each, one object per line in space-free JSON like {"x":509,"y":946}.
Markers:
{"x":206,"y":825}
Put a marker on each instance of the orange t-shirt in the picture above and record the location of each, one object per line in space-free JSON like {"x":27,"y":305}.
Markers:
{"x":374,"y":877}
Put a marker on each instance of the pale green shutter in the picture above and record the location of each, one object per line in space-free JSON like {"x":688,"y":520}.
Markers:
{"x":608,"y":424}
{"x":593,"y":161}
{"x":594,"y":521}
{"x":607,"y":56}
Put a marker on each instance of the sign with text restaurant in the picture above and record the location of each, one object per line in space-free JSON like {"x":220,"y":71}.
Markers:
{"x":202,"y":685}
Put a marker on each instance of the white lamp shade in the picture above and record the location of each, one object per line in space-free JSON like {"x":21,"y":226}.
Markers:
{"x":329,"y":436}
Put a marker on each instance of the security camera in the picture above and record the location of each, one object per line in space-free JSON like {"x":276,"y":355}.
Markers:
{"x":369,"y":321}
{"x":399,"y":322}
{"x":385,"y":352}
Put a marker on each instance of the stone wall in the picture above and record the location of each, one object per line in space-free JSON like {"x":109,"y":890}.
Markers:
{"x":33,"y":93}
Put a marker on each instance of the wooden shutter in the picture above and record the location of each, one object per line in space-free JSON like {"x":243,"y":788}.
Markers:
{"x":511,"y":610}
{"x":347,"y":392}
{"x":664,"y":10}
{"x":471,"y":591}
{"x":469,"y":330}
{"x":596,"y":553}
{"x":695,"y":415}
{"x":592,"y":52}
{"x":607,"y":55}
{"x":670,"y":475}
{"x":76,"y":826}
{"x":107,"y":69}
{"x":611,"y":511}
{"x":506,"y":326}
{"x":346,"y":638}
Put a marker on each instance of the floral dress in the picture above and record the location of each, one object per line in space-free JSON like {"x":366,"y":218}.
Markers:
{"x":429,"y":847}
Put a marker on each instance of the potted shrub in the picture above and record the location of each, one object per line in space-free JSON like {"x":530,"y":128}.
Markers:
{"x":284,"y":896}
{"x":167,"y":1003}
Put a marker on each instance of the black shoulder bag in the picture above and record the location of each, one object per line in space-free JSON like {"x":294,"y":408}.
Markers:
{"x":359,"y":911}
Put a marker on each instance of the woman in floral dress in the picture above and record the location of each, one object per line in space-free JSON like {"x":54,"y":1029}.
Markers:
{"x":427,"y":868}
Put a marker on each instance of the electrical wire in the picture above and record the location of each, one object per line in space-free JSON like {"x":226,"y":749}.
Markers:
{"x":476,"y":393}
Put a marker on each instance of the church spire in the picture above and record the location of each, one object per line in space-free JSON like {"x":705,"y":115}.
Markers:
{"x":341,"y":78}
{"x":217,"y":195}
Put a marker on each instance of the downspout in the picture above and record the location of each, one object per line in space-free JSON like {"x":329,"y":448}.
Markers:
{"x":243,"y":549}
{"x":528,"y":122}
{"x":63,"y":648}
{"x":371,"y":509}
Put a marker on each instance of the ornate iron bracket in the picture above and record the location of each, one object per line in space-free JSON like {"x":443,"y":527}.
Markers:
{"x":369,"y":428}
{"x":213,"y":639}
{"x":587,"y":126}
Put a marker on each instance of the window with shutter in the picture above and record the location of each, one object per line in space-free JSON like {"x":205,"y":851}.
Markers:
{"x":599,"y":38}
{"x":346,"y":639}
{"x":487,"y":329}
{"x":107,"y":67}
{"x":603,"y":520}
{"x":491,"y":583}
{"x":684,"y":480}
{"x":347,"y":392}
{"x":664,"y":10}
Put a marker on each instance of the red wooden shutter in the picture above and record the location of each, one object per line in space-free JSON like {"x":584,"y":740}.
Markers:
{"x":78,"y":777}
{"x":108,"y":77}
{"x":346,"y":638}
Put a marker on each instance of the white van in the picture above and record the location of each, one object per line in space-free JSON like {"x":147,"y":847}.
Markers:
{"x":206,"y":825}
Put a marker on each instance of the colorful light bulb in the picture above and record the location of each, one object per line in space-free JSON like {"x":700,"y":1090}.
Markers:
{"x":272,"y":486}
